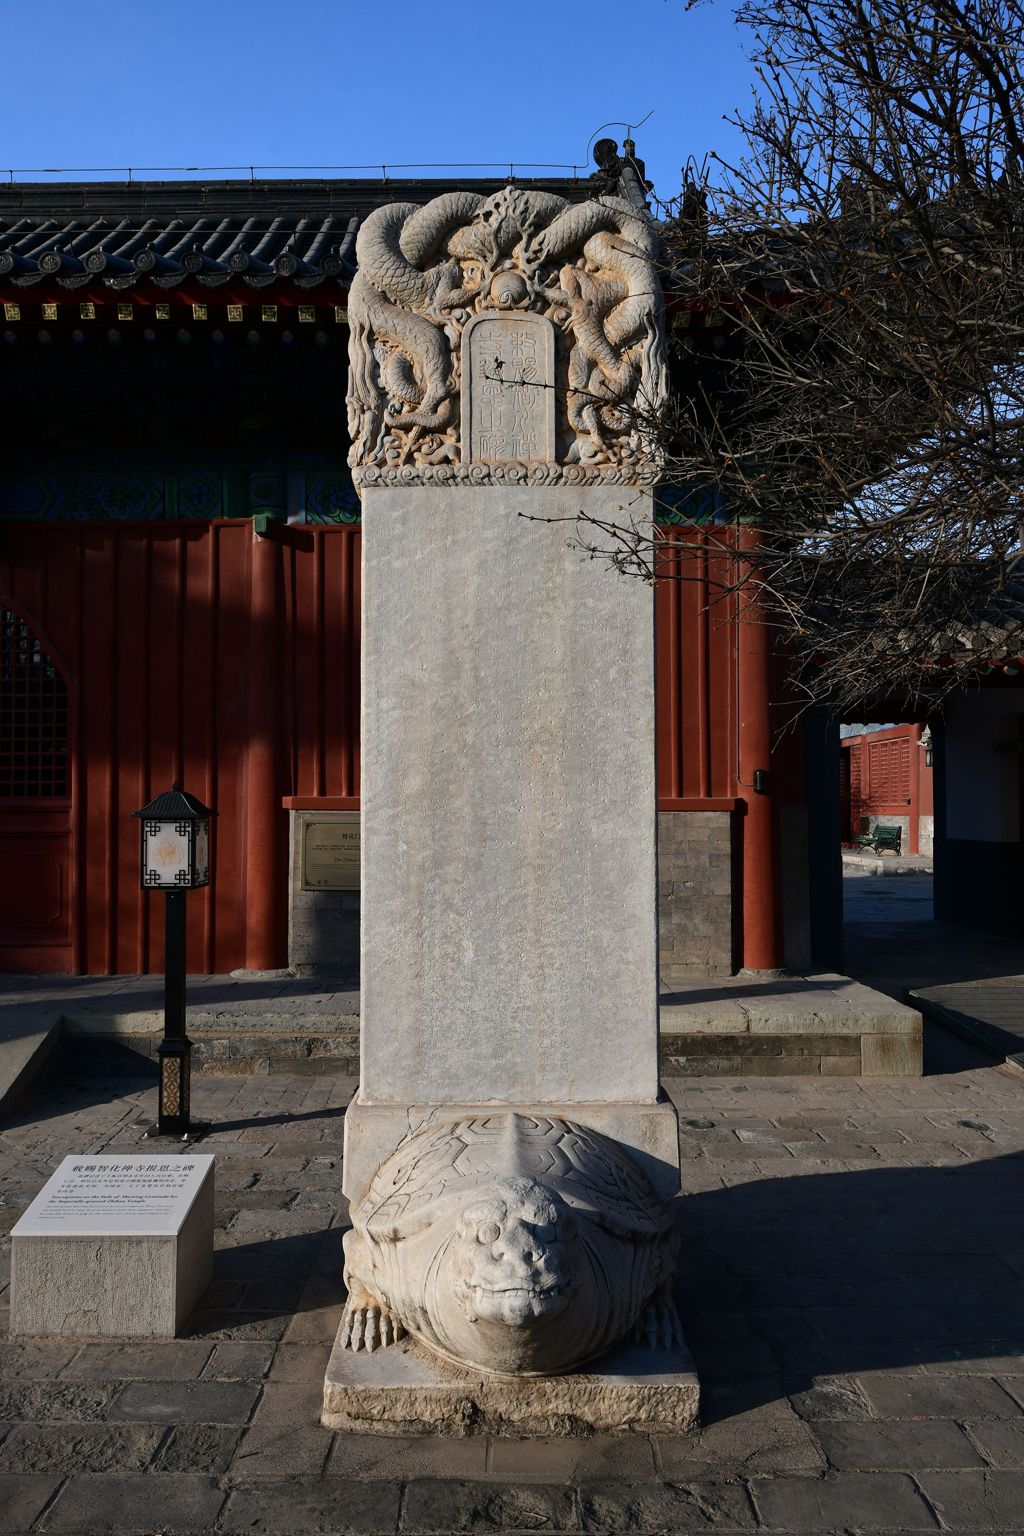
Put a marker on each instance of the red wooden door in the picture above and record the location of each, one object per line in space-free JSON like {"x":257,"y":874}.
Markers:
{"x":36,"y":826}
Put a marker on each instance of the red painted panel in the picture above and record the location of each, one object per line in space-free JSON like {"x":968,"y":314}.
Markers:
{"x":97,"y":745}
{"x":229,"y":671}
{"x":35,"y":895}
{"x":152,"y":624}
{"x":695,"y":661}
{"x":133,"y":642}
{"x":198,"y":731}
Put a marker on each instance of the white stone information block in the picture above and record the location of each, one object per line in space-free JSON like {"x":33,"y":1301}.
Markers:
{"x":115,"y":1245}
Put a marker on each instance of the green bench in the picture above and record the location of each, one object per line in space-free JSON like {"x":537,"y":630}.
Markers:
{"x":882,"y":839}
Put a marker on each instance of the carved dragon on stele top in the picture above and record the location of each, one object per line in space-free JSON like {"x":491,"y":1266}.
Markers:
{"x":425,"y":272}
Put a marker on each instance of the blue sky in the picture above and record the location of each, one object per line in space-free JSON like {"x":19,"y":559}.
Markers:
{"x":345,"y":82}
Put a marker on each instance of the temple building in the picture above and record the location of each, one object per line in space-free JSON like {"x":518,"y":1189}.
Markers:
{"x":180,"y":600}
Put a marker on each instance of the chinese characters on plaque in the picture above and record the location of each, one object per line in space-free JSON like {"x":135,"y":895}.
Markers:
{"x":508,"y":389}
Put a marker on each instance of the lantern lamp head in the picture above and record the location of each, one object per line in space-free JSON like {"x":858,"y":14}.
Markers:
{"x":175,"y":845}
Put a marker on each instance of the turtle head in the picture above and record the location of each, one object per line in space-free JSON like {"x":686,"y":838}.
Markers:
{"x":511,"y":1254}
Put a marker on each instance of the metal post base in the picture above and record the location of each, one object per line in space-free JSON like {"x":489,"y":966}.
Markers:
{"x":175,"y":1058}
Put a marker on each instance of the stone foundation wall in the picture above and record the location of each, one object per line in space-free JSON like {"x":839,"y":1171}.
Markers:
{"x":323,"y":926}
{"x":926,"y":834}
{"x":903,"y":822}
{"x":792,"y":1055}
{"x":695,"y":894}
{"x":695,"y":904}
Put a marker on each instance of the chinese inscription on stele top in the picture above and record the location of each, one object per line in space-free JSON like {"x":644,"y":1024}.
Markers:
{"x":508,"y":391}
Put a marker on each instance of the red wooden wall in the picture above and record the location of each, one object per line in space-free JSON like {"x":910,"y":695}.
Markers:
{"x":152,"y":627}
{"x":888,"y":776}
{"x":695,"y":675}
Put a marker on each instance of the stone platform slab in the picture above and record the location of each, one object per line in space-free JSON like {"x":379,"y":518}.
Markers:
{"x":819,"y":1025}
{"x":989,"y":1012}
{"x":886,"y":864}
{"x":402,"y":1390}
{"x":822,"y":1025}
{"x":27,"y":1039}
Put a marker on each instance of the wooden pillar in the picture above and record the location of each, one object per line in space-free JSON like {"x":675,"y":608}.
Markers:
{"x":264,"y":867}
{"x":763,"y":946}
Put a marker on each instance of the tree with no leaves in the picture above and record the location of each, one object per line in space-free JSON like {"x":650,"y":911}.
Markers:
{"x":864,"y":418}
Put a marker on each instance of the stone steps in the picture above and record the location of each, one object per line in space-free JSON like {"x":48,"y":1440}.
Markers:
{"x":273,"y":1051}
{"x":28,"y":1038}
{"x":252,"y":1053}
{"x":710,"y":1027}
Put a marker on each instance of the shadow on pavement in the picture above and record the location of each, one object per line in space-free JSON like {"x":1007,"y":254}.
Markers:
{"x":788,"y":1279}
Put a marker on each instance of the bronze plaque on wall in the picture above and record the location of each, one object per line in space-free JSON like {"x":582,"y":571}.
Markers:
{"x":330,"y":853}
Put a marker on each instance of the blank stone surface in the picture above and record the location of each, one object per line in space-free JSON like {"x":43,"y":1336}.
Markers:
{"x":509,"y":905}
{"x":114,"y":1245}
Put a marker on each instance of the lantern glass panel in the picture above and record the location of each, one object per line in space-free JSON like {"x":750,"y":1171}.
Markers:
{"x":202,"y":865}
{"x":166,"y":855}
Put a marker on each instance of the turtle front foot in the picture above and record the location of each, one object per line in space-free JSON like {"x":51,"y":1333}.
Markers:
{"x":658,"y":1326}
{"x":369,"y":1326}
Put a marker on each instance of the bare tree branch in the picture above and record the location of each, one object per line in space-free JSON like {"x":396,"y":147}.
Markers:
{"x":859,"y":400}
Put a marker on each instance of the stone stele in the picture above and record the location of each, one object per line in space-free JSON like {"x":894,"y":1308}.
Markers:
{"x":114,"y":1246}
{"x":510,"y":1161}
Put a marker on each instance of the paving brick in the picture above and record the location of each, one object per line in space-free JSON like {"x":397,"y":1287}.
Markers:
{"x":23,"y":1496}
{"x":298,"y":1363}
{"x":938,"y":1397}
{"x":67,"y":1448}
{"x":34,"y":1359}
{"x":291,"y":1402}
{"x":188,"y":1402}
{"x":199,"y":1448}
{"x":870,"y":1500}
{"x":242,"y":1361}
{"x":177,"y":1360}
{"x":1014,"y":1385}
{"x":400,"y":1458}
{"x":748,"y":1426}
{"x":342,"y":1506}
{"x":449,"y":1506}
{"x":213,"y":1326}
{"x":897,"y":1444}
{"x":140,"y":1503}
{"x":54,"y":1401}
{"x":279,"y":1294}
{"x":267,"y":1448}
{"x":977,"y":1501}
{"x":608,"y":1509}
{"x":829,"y":1397}
{"x":1001,"y":1441}
{"x":571,"y":1459}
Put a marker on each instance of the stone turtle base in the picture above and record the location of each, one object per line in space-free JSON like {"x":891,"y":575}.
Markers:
{"x":403,"y":1390}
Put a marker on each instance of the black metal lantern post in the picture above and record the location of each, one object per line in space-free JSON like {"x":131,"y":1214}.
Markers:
{"x":175,"y":849}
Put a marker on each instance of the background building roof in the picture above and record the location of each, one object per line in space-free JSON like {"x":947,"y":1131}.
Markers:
{"x":133,"y":234}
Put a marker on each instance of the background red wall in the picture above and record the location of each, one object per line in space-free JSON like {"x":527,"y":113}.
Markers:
{"x":152,"y":625}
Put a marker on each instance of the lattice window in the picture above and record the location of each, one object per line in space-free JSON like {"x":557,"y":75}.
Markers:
{"x":33,"y":715}
{"x":890,"y":771}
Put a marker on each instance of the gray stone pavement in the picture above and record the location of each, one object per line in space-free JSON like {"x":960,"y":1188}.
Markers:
{"x":972,"y":983}
{"x":853,"y":1251}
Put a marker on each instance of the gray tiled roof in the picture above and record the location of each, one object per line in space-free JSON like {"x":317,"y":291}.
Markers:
{"x":166,"y":233}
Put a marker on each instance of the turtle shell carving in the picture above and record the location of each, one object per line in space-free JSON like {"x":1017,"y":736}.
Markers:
{"x":511,"y":1243}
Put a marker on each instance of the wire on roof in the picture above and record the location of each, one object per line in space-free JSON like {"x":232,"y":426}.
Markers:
{"x":130,"y":172}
